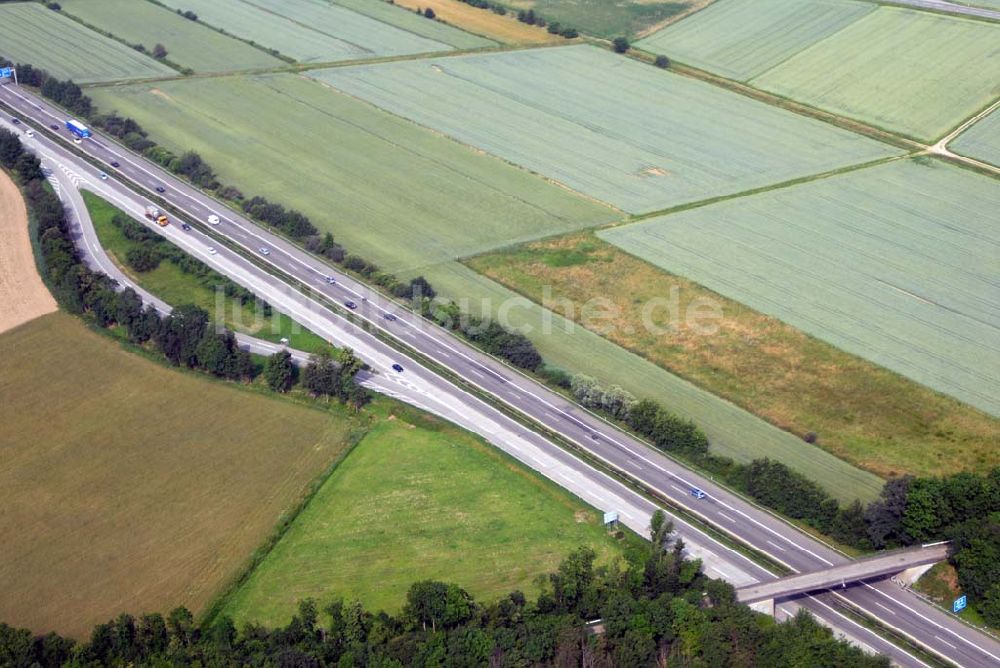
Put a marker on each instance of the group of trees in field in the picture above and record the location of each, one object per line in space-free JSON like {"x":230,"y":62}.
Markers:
{"x":655,"y":608}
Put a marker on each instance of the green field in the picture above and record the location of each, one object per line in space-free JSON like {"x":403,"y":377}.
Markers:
{"x":733,"y":432}
{"x":127,"y":485}
{"x":388,"y":12}
{"x":188,"y":43}
{"x":861,"y":412}
{"x":982,"y":140}
{"x":741,"y":39}
{"x":617,"y":130}
{"x":896,"y":264}
{"x":910,"y":71}
{"x":175,"y":287}
{"x":419,"y":501}
{"x":604,"y":18}
{"x":388,"y":190}
{"x":309,"y":30}
{"x":30,"y":33}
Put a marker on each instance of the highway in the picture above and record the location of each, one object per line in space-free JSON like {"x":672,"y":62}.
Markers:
{"x":895,"y":607}
{"x":950,"y":8}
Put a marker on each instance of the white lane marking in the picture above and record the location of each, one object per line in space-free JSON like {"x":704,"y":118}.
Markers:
{"x":945,"y":641}
{"x":887,"y":609}
{"x":775,"y":545}
{"x":867,"y":630}
{"x":726,"y":517}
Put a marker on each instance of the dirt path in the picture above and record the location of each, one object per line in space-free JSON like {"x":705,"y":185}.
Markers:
{"x":23,"y":296}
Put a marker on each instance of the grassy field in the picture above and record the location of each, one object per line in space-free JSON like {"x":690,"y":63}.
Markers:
{"x":127,"y":485}
{"x":982,"y":140}
{"x":733,"y":432}
{"x":308,"y":30}
{"x":863,"y":413}
{"x":609,"y":127}
{"x":175,"y":287}
{"x":506,"y":29}
{"x":30,"y":33}
{"x":914,"y":72}
{"x":740,"y":39}
{"x":390,"y":191}
{"x":189,"y":44}
{"x":389,"y":12}
{"x":895,"y":263}
{"x":419,"y":501}
{"x":604,"y":18}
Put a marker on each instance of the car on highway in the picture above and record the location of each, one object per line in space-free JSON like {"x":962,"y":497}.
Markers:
{"x":264,"y":250}
{"x":390,"y":317}
{"x":30,"y":133}
{"x":185,"y":227}
{"x":115,"y":163}
{"x":213,"y":220}
{"x":397,"y":368}
{"x":697,"y":493}
{"x":350,"y":305}
{"x":15,"y":121}
{"x":212,"y":251}
{"x":54,"y":127}
{"x":331,"y":280}
{"x":161,"y":189}
{"x":77,"y":140}
{"x":104,"y":177}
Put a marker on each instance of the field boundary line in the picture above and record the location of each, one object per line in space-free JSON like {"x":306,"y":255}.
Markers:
{"x":757,"y":191}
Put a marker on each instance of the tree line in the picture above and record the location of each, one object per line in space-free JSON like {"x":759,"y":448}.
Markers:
{"x":655,"y":608}
{"x":529,"y":17}
{"x":492,"y":337}
{"x":186,"y":336}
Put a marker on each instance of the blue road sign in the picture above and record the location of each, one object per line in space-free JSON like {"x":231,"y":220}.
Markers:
{"x":6,"y":73}
{"x":959,"y":604}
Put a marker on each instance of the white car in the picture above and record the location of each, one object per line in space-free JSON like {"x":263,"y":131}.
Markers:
{"x":104,"y":177}
{"x":212,"y":251}
{"x":264,"y":250}
{"x":77,"y":140}
{"x":30,"y":133}
{"x":213,"y":220}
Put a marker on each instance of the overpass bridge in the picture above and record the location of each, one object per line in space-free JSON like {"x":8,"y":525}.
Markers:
{"x":842,"y":575}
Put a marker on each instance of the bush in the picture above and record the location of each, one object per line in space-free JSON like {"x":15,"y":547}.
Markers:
{"x":621,"y":45}
{"x":554,"y":28}
{"x":54,"y":6}
{"x":143,"y":258}
{"x":662,"y":62}
{"x":429,"y":13}
{"x":570,"y":33}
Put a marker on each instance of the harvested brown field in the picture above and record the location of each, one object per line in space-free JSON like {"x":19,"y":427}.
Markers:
{"x":23,"y":296}
{"x":483,"y":22}
{"x":861,"y":412}
{"x":129,"y":486}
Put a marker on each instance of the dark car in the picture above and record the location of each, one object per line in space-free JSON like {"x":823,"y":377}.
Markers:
{"x":185,"y":227}
{"x":161,"y":189}
{"x":390,"y":317}
{"x":114,"y":163}
{"x":15,"y":121}
{"x":397,"y":368}
{"x":350,"y":305}
{"x":54,"y":126}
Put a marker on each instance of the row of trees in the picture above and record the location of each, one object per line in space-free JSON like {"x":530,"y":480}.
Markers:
{"x":526,"y":16}
{"x":185,"y":337}
{"x":655,"y":609}
{"x":489,"y":335}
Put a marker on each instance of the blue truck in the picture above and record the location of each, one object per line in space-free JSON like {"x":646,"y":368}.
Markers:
{"x":77,"y":128}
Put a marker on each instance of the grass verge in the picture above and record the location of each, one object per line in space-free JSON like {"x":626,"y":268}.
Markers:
{"x":171,"y":284}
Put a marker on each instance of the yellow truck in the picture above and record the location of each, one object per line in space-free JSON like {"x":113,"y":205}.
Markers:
{"x":157,"y":216}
